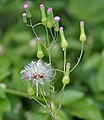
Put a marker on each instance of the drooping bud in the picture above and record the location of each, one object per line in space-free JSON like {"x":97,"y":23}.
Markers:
{"x":49,"y":18}
{"x":40,"y":53}
{"x":44,"y":18}
{"x":57,"y":19}
{"x":82,"y":34}
{"x":24,"y":18}
{"x":64,"y":43}
{"x":26,"y":7}
{"x":66,"y":78}
{"x":30,"y":90}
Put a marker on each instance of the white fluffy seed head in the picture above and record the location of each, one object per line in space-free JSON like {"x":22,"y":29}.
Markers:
{"x":38,"y":72}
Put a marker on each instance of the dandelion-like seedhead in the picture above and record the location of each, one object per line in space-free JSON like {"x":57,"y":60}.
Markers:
{"x":38,"y":72}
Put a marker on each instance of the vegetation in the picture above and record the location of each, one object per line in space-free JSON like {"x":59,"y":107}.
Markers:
{"x":84,"y":96}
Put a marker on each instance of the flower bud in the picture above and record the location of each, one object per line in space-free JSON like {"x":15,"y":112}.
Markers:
{"x":66,"y":78}
{"x":24,"y":18}
{"x":26,"y":7}
{"x":82,"y":35}
{"x":49,"y":18}
{"x":64,"y":43}
{"x":57,"y":19}
{"x":44,"y":18}
{"x":40,"y":53}
{"x":30,"y":90}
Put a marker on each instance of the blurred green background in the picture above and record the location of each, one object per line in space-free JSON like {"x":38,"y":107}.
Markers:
{"x":84,"y":96}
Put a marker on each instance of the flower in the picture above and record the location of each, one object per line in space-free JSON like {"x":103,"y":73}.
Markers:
{"x":49,"y":10}
{"x":38,"y":73}
{"x":61,"y":28}
{"x":26,"y":6}
{"x":38,"y":38}
{"x":57,"y":18}
{"x":41,"y":6}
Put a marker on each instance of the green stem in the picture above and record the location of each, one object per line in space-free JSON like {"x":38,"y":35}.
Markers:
{"x":64,"y":59}
{"x":49,"y":56}
{"x":48,"y":44}
{"x":62,"y":94}
{"x":52,"y":35}
{"x":33,"y":28}
{"x":78,"y":59}
{"x":44,"y":98}
{"x":58,"y":93}
{"x":36,"y":24}
{"x":54,"y":41}
{"x":16,"y":92}
{"x":59,"y":70}
{"x":43,"y":106}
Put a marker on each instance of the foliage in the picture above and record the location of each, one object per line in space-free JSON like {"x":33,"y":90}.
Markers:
{"x":84,"y":97}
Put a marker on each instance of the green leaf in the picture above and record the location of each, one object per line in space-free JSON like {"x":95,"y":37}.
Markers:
{"x":38,"y":116}
{"x":92,"y":62}
{"x":62,"y":116}
{"x":4,"y":105}
{"x":88,"y":10}
{"x":85,"y":109}
{"x":4,"y":63}
{"x":70,"y":96}
{"x":1,"y":115}
{"x":4,"y":67}
{"x":2,"y":93}
{"x":100,"y":78}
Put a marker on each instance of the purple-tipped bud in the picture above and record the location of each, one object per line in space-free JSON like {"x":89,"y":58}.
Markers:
{"x":81,"y":22}
{"x":26,"y":6}
{"x":61,"y":28}
{"x":38,"y":38}
{"x":57,"y":18}
{"x":49,"y":10}
{"x":68,"y":65}
{"x":41,"y":5}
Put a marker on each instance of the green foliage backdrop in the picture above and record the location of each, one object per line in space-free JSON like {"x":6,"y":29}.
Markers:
{"x":84,"y":96}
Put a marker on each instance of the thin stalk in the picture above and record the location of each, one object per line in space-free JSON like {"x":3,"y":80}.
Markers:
{"x":61,"y":100}
{"x":59,"y":70}
{"x":36,"y":24}
{"x":43,"y":107}
{"x":52,"y":35}
{"x":49,"y":56}
{"x":50,"y":110}
{"x":16,"y":92}
{"x":44,"y":46}
{"x":64,"y":59}
{"x":58,"y":93}
{"x":54,"y":42}
{"x":44,"y":98}
{"x":47,"y":36}
{"x":33,"y":28}
{"x":48,"y":44}
{"x":79,"y":59}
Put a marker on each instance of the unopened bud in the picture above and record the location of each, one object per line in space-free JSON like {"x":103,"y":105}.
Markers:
{"x":66,"y":78}
{"x":40,"y":53}
{"x":82,"y":34}
{"x":57,"y":19}
{"x":24,"y":18}
{"x":30,"y":90}
{"x":44,"y":18}
{"x":49,"y":18}
{"x":64,"y":43}
{"x":26,"y":7}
